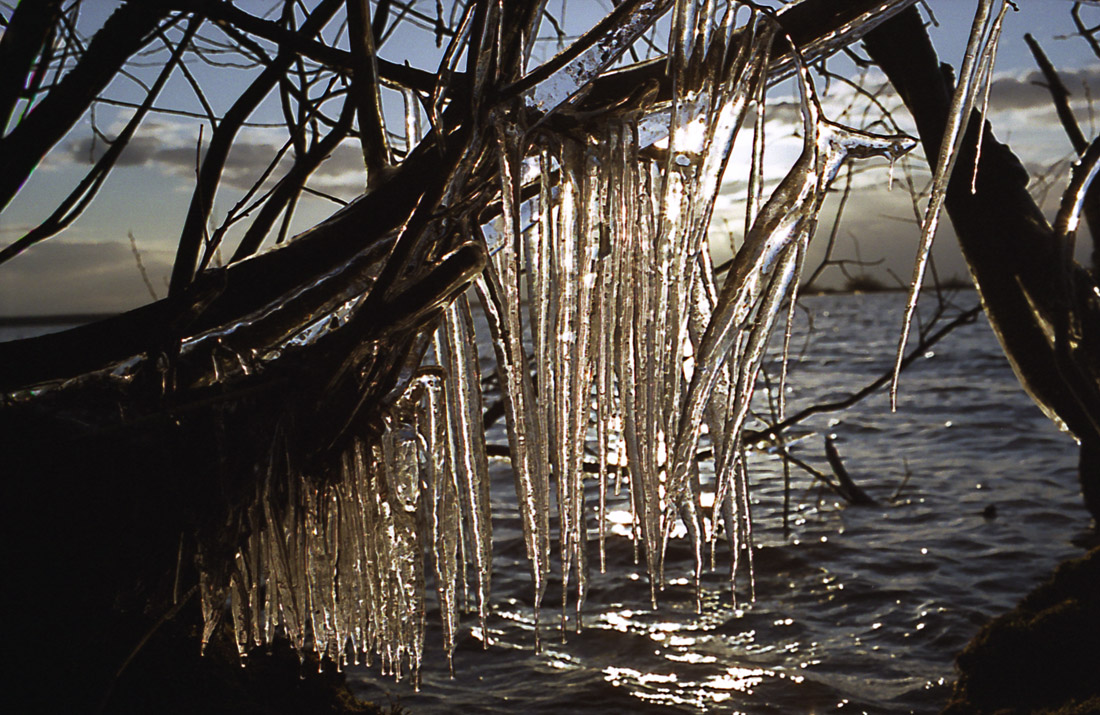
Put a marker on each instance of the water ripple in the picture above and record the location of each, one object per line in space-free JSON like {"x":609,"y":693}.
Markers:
{"x":859,"y":609}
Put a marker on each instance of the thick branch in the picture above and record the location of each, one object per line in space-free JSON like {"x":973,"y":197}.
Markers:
{"x":249,"y":285}
{"x":22,"y":41}
{"x":124,"y":33}
{"x":811,"y":24}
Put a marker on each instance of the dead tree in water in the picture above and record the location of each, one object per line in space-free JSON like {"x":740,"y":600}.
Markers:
{"x":160,"y":448}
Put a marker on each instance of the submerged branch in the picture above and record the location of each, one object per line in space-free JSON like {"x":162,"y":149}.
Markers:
{"x":850,"y":490}
{"x":882,"y":381}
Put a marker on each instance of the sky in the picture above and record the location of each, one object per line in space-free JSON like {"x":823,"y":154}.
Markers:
{"x":94,"y":266}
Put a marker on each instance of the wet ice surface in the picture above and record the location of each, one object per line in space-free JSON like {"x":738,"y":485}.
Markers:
{"x":862,"y":609}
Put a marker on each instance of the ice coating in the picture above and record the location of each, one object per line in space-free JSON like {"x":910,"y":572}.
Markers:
{"x":610,"y":333}
{"x":657,"y":358}
{"x":341,"y":568}
{"x":568,"y":73}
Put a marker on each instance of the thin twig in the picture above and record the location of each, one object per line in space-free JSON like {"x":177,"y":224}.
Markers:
{"x":884,"y":379}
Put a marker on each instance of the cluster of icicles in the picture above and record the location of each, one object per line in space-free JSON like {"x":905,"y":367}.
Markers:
{"x":615,"y":345}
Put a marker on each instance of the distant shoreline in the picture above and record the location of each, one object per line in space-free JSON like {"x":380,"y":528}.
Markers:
{"x":15,"y":321}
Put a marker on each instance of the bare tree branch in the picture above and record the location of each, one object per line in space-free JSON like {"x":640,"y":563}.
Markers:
{"x":126,"y":31}
{"x":74,"y":204}
{"x":191,"y":237}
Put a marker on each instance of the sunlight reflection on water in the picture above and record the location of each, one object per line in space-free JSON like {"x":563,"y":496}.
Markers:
{"x":859,"y":609}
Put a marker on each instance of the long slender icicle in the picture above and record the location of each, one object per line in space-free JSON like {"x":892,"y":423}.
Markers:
{"x":962,"y":101}
{"x":467,"y":441}
{"x":445,"y":529}
{"x":500,"y":294}
{"x":789,"y":217}
{"x":564,"y":332}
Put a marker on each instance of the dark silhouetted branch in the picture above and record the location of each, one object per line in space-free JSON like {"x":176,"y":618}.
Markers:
{"x":125,"y":32}
{"x":24,"y":39}
{"x":365,"y":91}
{"x":194,"y":227}
{"x":849,"y":488}
{"x":1059,"y":95}
{"x":74,"y":204}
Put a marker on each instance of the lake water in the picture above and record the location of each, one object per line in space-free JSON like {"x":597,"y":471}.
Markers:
{"x":859,"y":609}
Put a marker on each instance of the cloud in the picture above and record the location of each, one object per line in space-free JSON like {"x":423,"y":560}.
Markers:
{"x":1030,"y":91}
{"x":139,"y":150}
{"x":80,"y":277}
{"x":171,"y":148}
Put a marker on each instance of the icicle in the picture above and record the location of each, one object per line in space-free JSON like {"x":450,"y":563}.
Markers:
{"x":623,"y":308}
{"x":958,"y":115}
{"x":398,"y":540}
{"x":319,"y":571}
{"x":565,"y":334}
{"x":448,"y":65}
{"x":413,"y":132}
{"x":574,"y":264}
{"x":788,"y":217}
{"x":626,"y":233}
{"x":499,"y":288}
{"x":605,"y":328}
{"x":744,"y":525}
{"x":349,"y":562}
{"x":756,"y":166}
{"x":588,"y":253}
{"x":985,"y":80}
{"x":444,"y":500}
{"x":211,"y":600}
{"x":239,"y":604}
{"x":646,"y":445}
{"x":469,"y":464}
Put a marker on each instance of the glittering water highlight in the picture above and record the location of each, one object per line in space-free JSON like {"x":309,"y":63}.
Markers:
{"x":860,"y":609}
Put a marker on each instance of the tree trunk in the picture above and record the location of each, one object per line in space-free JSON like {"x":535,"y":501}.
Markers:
{"x":1041,"y":307}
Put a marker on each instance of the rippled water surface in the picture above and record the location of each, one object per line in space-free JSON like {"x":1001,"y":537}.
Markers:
{"x":859,"y":609}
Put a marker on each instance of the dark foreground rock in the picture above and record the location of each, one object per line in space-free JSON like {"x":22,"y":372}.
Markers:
{"x":169,"y":676}
{"x":101,"y":526}
{"x":1041,"y":657}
